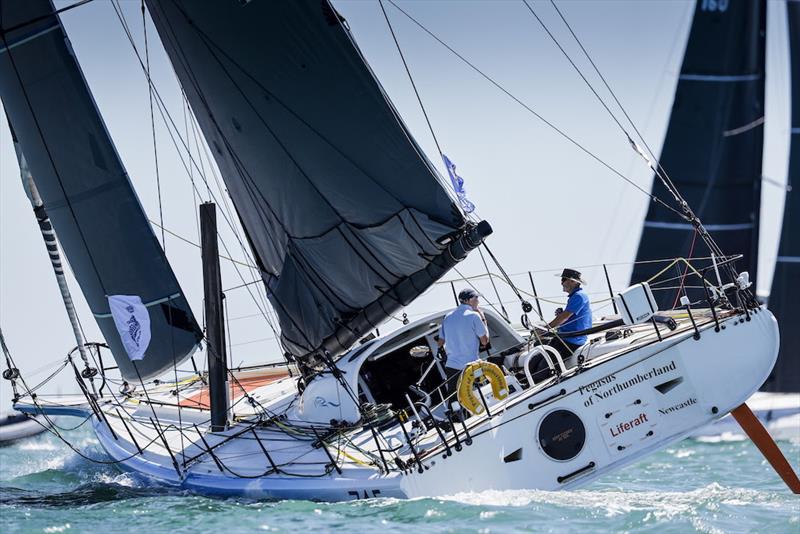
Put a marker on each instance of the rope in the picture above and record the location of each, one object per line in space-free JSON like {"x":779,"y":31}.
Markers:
{"x":686,"y":270}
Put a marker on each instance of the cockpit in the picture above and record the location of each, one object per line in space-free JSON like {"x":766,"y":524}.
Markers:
{"x":403,"y":367}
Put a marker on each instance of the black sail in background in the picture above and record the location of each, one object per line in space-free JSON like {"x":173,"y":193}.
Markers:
{"x":98,"y":218}
{"x":713,"y":146}
{"x":342,"y":209}
{"x":785,"y":294}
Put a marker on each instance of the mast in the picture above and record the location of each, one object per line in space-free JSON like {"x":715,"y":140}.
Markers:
{"x":785,"y":293}
{"x":49,"y":236}
{"x":713,"y":147}
{"x":215,"y":328}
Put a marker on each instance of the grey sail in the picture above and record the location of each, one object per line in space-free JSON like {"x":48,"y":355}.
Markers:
{"x":713,"y":147}
{"x":785,"y":293}
{"x":95,"y":212}
{"x":342,"y":209}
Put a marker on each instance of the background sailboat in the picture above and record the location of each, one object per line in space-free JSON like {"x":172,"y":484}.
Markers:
{"x":713,"y":146}
{"x":785,"y":293}
{"x":701,"y":118}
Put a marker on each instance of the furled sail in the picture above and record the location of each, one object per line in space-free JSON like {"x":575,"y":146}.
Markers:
{"x":785,"y":294}
{"x":712,"y":151}
{"x":342,"y":209}
{"x":95,"y":212}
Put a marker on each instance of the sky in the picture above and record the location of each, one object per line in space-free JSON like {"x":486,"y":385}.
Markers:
{"x":550,"y":205}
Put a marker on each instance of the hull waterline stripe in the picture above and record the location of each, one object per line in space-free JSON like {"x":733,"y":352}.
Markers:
{"x":24,"y":40}
{"x":788,"y":259}
{"x":146,"y":305}
{"x":720,"y":78}
{"x":795,"y":130}
{"x":709,"y":227}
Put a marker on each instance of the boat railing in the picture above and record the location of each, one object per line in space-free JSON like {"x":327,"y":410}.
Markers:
{"x":670,"y":279}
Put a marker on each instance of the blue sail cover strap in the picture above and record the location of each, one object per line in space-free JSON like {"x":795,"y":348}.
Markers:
{"x":344,"y":212}
{"x":712,"y":151}
{"x":95,"y":212}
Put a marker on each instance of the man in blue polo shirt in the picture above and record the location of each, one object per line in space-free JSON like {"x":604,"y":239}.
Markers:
{"x":462,"y":334}
{"x":575,"y":317}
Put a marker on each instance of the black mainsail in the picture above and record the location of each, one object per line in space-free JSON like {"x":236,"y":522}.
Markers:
{"x":785,"y":293}
{"x":98,"y":218}
{"x":714,"y":141}
{"x":343,"y":210}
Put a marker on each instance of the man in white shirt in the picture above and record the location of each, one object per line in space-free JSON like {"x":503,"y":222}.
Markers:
{"x":462,"y":334}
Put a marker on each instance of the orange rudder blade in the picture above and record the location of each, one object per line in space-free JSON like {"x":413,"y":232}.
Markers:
{"x":761,"y":438}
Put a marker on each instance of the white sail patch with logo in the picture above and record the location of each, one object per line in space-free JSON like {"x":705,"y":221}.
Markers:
{"x":133,"y":323}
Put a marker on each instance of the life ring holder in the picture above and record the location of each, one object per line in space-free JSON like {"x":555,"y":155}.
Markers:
{"x":550,"y":355}
{"x":466,"y":383}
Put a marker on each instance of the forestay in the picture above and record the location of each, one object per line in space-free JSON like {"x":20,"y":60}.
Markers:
{"x":712,"y":151}
{"x":785,"y":293}
{"x":344,"y":212}
{"x":98,"y":218}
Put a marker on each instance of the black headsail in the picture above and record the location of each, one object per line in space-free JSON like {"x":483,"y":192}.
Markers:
{"x":343,"y":210}
{"x":785,"y":294}
{"x":95,"y":212}
{"x":713,"y":147}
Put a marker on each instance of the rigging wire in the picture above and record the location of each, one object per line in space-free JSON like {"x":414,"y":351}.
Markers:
{"x":577,"y":69}
{"x":160,"y":205}
{"x":195,"y":196}
{"x":153,"y":127}
{"x":660,"y":169}
{"x":496,"y":292}
{"x":197,"y":245}
{"x":411,"y":79}
{"x":660,"y":172}
{"x":536,"y":114}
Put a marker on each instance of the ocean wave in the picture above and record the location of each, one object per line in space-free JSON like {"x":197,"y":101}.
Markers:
{"x":662,"y":503}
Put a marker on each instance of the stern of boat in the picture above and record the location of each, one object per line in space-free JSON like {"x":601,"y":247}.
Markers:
{"x":738,"y":361}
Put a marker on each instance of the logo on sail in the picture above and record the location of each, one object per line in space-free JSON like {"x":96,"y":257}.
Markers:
{"x":133,"y":323}
{"x":321,"y":401}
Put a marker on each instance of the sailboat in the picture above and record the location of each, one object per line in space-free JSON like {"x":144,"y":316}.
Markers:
{"x":349,"y":222}
{"x":713,"y":148}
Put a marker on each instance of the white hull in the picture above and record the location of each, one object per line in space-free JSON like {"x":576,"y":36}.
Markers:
{"x":778,"y":412}
{"x":629,"y":403}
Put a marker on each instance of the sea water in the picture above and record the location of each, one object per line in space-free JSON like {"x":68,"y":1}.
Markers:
{"x":691,"y":486}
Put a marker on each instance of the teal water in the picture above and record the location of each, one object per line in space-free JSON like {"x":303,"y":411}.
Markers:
{"x":690,"y":487}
